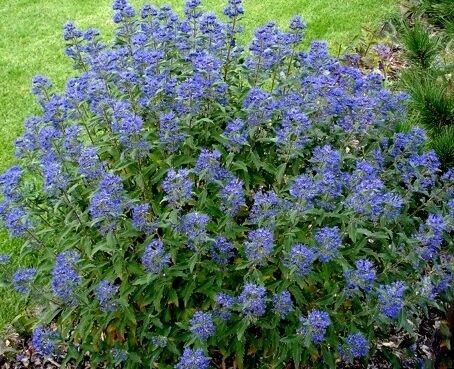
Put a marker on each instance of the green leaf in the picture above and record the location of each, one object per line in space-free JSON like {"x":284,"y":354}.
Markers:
{"x":239,"y":350}
{"x":244,"y":324}
{"x":297,"y":351}
{"x":187,"y":293}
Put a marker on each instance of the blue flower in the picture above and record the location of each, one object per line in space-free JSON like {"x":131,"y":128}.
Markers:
{"x":89,"y":165}
{"x":201,"y":325}
{"x":208,"y":166}
{"x":107,"y":203}
{"x":314,"y":325}
{"x":40,"y":87}
{"x":193,"y":225}
{"x":355,"y":346}
{"x":190,"y":8}
{"x":128,"y":126}
{"x":65,"y":278}
{"x":323,"y":184}
{"x":178,"y":187}
{"x":213,"y":30}
{"x":155,"y":259}
{"x":70,"y":31}
{"x":451,"y":208}
{"x":105,"y":293}
{"x":44,"y":341}
{"x":16,"y":220}
{"x":259,"y":246}
{"x":159,"y":341}
{"x":9,"y":182}
{"x":189,"y":95}
{"x":55,"y":111}
{"x":292,"y":134}
{"x":297,"y":24}
{"x":29,"y":141}
{"x":268,"y":48}
{"x":5,"y":259}
{"x":222,"y":251}
{"x":418,"y":171}
{"x":303,"y":188}
{"x":362,"y":278}
{"x":232,"y":196}
{"x":170,"y":132}
{"x":234,"y":9}
{"x":141,"y":219}
{"x":23,"y":279}
{"x":368,"y":196}
{"x":259,"y":105}
{"x":148,"y":11}
{"x":237,"y":135}
{"x":72,"y":143}
{"x":118,"y":355}
{"x":252,"y":300}
{"x":328,"y":240}
{"x":282,"y":303}
{"x":224,"y":304}
{"x":267,"y":206}
{"x":193,"y":359}
{"x":47,"y":139}
{"x":123,"y":11}
{"x":55,"y":180}
{"x":326,"y":158}
{"x":390,"y":298}
{"x":430,"y":236}
{"x":300,"y":259}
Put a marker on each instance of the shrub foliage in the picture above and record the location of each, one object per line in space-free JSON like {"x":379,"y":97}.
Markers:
{"x":189,"y":203}
{"x":427,"y":41}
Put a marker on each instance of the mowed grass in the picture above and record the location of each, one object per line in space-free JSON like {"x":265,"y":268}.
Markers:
{"x":31,"y":43}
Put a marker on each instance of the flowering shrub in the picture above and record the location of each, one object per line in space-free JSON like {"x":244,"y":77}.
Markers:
{"x":191,"y":204}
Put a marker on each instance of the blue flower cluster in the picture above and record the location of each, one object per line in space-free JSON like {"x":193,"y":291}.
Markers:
{"x":362,"y":278}
{"x":328,"y":241}
{"x":314,"y":325}
{"x":107,"y":204}
{"x":155,"y":259}
{"x":65,"y":278}
{"x":105,"y":293}
{"x":141,"y":219}
{"x":193,"y":359}
{"x":300,"y":259}
{"x":118,"y":355}
{"x":390,"y":298}
{"x":178,"y":187}
{"x":430,"y":236}
{"x":201,"y":195}
{"x":232,"y":197}
{"x":282,"y":303}
{"x":5,"y":259}
{"x":355,"y":346}
{"x":266,"y":207}
{"x":201,"y":325}
{"x":208,"y":166}
{"x":222,"y":251}
{"x":252,"y":300}
{"x":23,"y":279}
{"x":159,"y":341}
{"x":193,"y":225}
{"x":236,"y":133}
{"x":224,"y":305}
{"x":259,"y":246}
{"x":44,"y":341}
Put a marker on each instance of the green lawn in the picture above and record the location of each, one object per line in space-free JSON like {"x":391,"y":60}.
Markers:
{"x":31,"y":43}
